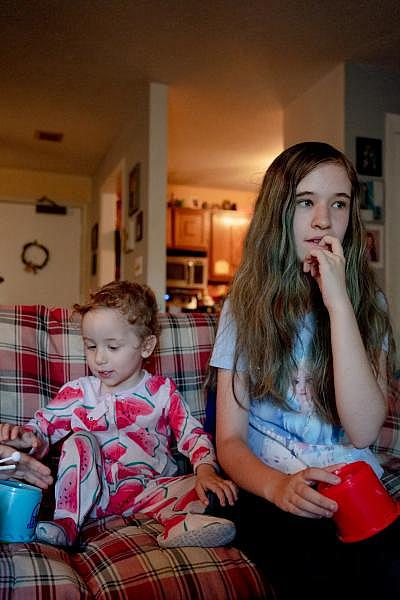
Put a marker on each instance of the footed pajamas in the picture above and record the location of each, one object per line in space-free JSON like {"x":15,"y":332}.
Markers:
{"x":118,"y":460}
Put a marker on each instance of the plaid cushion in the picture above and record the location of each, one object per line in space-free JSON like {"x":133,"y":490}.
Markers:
{"x":149,"y":572}
{"x":120,"y":559}
{"x":388,"y":443}
{"x":183,"y":354}
{"x":40,"y":349}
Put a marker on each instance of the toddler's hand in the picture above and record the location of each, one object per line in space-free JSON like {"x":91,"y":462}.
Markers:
{"x":18,"y":437}
{"x":207,"y":479}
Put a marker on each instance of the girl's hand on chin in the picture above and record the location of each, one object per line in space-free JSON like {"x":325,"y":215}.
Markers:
{"x":326,"y":264}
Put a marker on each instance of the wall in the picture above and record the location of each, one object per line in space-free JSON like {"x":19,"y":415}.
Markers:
{"x":18,"y":185}
{"x":392,"y":181}
{"x":143,"y":140}
{"x":371,"y":92}
{"x":21,"y":185}
{"x":318,"y":114}
{"x":155,"y":223}
{"x":58,"y":282}
{"x":243,"y":200}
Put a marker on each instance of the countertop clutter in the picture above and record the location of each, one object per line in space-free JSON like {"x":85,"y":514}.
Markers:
{"x":181,"y":300}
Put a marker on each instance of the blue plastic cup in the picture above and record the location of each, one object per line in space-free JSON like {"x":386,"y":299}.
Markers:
{"x":19,"y":508}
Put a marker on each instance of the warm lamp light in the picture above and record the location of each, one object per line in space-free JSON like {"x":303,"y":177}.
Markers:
{"x":221,"y":267}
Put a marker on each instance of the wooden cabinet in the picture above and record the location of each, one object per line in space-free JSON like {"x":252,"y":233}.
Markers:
{"x":220,"y":233}
{"x":169,"y":227}
{"x":228,"y":230}
{"x":189,"y":228}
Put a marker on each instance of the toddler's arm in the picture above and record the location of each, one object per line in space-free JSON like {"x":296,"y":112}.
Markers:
{"x":18,"y":437}
{"x":208,"y":480}
{"x":190,"y":436}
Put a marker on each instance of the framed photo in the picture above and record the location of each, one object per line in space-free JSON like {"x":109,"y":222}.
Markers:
{"x":372,"y":200}
{"x":93,"y":270}
{"x":129,"y":236}
{"x":375,"y":245}
{"x":139,"y":226}
{"x":369,"y":156}
{"x":134,"y":190}
{"x":94,"y":237}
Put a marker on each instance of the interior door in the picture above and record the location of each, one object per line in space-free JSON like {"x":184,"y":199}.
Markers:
{"x":58,"y":282}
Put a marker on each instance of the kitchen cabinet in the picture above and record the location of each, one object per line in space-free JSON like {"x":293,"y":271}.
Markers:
{"x":228,"y":231}
{"x":189,"y":228}
{"x":169,"y":227}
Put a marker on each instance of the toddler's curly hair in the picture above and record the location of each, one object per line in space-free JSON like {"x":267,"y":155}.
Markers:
{"x":134,"y":301}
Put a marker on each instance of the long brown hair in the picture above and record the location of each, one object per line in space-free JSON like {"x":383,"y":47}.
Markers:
{"x":270,"y":286}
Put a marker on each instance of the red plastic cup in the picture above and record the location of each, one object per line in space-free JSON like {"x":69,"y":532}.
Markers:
{"x":365,"y":506}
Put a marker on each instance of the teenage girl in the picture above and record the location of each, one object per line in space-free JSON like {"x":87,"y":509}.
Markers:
{"x":303,"y":352}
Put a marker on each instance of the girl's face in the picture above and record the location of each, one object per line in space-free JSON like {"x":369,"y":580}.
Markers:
{"x":323,"y":199}
{"x":114,"y":351}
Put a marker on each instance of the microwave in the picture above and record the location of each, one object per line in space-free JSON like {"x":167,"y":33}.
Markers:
{"x":187,"y":272}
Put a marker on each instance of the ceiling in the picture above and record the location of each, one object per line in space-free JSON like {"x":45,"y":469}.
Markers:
{"x":231,"y":67}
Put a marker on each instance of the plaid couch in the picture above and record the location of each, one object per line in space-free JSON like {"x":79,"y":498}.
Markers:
{"x":40,"y":349}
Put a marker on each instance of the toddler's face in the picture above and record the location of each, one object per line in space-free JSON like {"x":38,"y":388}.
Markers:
{"x":113,"y":349}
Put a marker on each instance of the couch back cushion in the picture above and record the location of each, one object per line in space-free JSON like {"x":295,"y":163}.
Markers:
{"x":388,"y":441}
{"x":41,"y":348}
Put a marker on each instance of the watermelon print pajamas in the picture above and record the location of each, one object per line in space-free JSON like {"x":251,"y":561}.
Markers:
{"x":117,"y":457}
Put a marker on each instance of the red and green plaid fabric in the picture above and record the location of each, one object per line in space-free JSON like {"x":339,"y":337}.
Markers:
{"x":40,"y":349}
{"x":120,"y":559}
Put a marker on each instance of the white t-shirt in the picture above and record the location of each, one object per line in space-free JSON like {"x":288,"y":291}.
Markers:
{"x":290,"y":439}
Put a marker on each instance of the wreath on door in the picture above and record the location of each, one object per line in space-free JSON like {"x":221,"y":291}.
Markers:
{"x":31,"y":254}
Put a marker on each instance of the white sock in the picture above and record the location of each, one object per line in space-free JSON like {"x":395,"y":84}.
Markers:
{"x":198,"y":530}
{"x":51,"y":533}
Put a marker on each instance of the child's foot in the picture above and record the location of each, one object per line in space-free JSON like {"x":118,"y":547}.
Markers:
{"x":198,"y":530}
{"x":60,"y":532}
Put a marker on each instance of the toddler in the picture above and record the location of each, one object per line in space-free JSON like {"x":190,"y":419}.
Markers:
{"x":117,"y":424}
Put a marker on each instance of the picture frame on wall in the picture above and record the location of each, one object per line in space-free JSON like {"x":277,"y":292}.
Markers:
{"x":129,"y":236}
{"x":139,"y":226}
{"x":375,"y":245}
{"x":94,"y":237}
{"x":134,"y":190}
{"x":369,"y":156}
{"x":372,"y":200}
{"x":93,"y":270}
